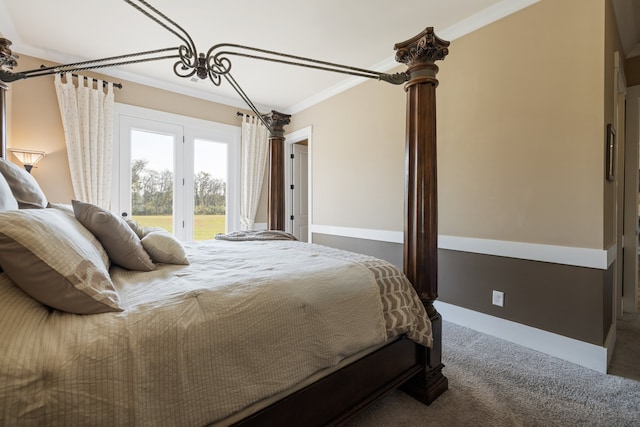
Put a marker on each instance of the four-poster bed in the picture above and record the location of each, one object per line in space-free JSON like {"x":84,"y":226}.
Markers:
{"x":400,"y":361}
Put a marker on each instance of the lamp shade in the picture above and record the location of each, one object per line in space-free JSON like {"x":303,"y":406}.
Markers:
{"x":27,"y":157}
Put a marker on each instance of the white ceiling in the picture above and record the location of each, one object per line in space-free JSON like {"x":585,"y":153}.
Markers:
{"x":360,"y":33}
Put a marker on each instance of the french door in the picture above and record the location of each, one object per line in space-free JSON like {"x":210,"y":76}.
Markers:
{"x":176,"y":172}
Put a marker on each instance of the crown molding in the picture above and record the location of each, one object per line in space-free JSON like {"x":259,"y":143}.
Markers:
{"x":462,"y":28}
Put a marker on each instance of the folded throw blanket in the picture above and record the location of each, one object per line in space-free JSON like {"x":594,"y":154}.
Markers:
{"x":256,"y":235}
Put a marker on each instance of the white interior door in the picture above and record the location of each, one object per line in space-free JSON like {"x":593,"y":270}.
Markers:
{"x":300,"y":192}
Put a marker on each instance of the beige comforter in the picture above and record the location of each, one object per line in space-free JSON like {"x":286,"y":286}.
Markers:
{"x":196,"y":344}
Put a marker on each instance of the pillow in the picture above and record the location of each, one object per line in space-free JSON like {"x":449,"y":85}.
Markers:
{"x":164,"y":247}
{"x":119,"y":240}
{"x":140,"y":230}
{"x":7,"y":201}
{"x":137,"y":228}
{"x":68,"y":209}
{"x":23,"y":186}
{"x":57,"y":261}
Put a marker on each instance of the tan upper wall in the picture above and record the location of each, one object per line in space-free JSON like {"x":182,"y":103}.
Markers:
{"x":358,"y":157}
{"x":34,"y":123}
{"x":520,"y":130}
{"x":520,"y":125}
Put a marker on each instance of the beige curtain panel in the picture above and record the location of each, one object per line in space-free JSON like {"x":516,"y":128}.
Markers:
{"x":87,"y":118}
{"x":255,"y":145}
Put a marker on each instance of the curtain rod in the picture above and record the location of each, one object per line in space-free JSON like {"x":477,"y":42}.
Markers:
{"x":104,"y":82}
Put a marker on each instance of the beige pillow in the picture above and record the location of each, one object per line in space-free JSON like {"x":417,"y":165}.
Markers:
{"x":119,"y":240}
{"x":23,"y":186}
{"x":57,"y":261}
{"x":164,"y":247}
{"x":137,"y":228}
{"x":7,"y":201}
{"x":141,"y":230}
{"x":68,"y":209}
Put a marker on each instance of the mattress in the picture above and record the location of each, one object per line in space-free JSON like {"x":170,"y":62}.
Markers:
{"x":198,"y":344}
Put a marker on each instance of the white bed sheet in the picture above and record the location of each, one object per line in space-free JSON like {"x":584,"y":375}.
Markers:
{"x":196,"y":344}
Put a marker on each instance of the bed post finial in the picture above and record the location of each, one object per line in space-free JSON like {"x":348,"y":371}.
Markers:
{"x":276,"y":206}
{"x":421,"y":198}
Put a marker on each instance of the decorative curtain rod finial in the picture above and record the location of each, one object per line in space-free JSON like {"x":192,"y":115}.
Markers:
{"x":201,"y":69}
{"x":396,"y":78}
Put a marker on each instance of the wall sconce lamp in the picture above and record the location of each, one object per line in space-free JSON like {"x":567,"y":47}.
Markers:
{"x":28,"y":158}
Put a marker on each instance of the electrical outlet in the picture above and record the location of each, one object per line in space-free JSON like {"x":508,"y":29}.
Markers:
{"x":498,"y":298}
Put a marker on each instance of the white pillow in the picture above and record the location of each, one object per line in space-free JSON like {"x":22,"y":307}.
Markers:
{"x":165,"y":248}
{"x":23,"y":186}
{"x":141,"y":230}
{"x":53,"y":258}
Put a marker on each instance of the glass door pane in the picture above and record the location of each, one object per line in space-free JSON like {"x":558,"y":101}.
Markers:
{"x":209,"y":189}
{"x":152,"y":178}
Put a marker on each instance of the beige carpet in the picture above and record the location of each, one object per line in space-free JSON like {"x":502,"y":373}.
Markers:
{"x":521,"y":387}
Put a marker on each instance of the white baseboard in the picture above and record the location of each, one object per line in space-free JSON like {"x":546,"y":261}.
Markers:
{"x":579,"y":352}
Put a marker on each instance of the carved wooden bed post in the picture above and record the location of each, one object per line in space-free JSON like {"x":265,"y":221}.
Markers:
{"x":421,"y":198}
{"x":276,"y":206}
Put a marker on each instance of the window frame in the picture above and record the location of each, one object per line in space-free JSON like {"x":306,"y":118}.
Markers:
{"x":188,"y":129}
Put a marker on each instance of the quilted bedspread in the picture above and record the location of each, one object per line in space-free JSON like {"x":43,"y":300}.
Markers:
{"x":196,"y":344}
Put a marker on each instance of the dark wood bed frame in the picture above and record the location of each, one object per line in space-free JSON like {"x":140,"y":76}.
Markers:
{"x":402,"y":363}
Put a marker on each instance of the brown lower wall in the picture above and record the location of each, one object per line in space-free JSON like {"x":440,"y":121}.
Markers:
{"x":391,"y":252}
{"x":575,"y":302}
{"x":571,"y":301}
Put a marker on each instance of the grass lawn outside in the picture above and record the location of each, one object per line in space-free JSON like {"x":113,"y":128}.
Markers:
{"x":205,"y":226}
